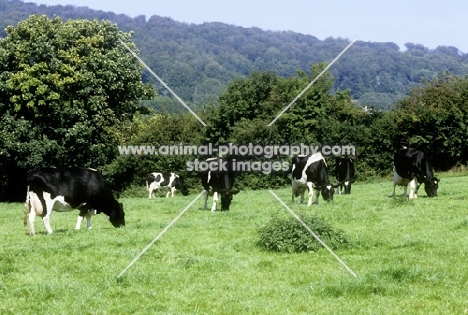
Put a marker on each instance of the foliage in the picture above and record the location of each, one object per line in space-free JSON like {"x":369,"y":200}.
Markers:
{"x":198,"y":61}
{"x":238,"y":80}
{"x":156,"y":130}
{"x":434,"y":117}
{"x":317,"y":118}
{"x":288,"y":235}
{"x":65,"y":86}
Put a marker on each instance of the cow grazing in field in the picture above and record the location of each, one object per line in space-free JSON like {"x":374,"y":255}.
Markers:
{"x":169,"y":181}
{"x":411,"y":166}
{"x":65,"y":189}
{"x":218,"y":180}
{"x":344,"y":174}
{"x":310,"y":172}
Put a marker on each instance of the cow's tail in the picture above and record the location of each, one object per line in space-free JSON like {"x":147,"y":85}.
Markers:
{"x":27,"y":207}
{"x":147,"y":186}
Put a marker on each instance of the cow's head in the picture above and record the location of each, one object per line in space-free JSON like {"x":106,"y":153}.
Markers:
{"x":327,"y":192}
{"x":117,"y":216}
{"x":226,"y":198}
{"x":431,"y":186}
{"x":181,"y":187}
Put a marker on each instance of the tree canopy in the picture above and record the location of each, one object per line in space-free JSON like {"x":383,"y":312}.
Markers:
{"x":198,"y":61}
{"x":65,"y":88}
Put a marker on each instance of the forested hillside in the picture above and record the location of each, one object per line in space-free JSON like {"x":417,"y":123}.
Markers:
{"x":198,"y":61}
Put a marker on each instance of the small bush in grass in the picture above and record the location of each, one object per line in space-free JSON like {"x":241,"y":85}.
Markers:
{"x":289,"y":235}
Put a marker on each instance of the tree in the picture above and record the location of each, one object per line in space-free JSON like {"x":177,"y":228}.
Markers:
{"x":65,"y":87}
{"x":434,"y":118}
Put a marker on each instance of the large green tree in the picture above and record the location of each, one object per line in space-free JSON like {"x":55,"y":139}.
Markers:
{"x":65,"y":88}
{"x":435,"y":118}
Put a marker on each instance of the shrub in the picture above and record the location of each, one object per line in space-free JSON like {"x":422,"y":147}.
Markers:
{"x":289,"y":235}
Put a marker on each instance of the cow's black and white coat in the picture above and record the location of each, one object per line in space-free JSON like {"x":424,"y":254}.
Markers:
{"x":344,"y":174}
{"x":219,"y":183}
{"x":65,"y":189}
{"x":169,"y":181}
{"x":412,"y":167}
{"x":310,"y":172}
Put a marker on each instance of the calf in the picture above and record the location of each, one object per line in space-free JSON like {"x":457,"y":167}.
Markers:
{"x":170,"y":181}
{"x":344,"y":174}
{"x":311,"y":172}
{"x":411,"y":166}
{"x":217,"y":180}
{"x":63,"y":189}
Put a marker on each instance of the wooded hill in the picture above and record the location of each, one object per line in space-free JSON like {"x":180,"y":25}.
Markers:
{"x":198,"y":61}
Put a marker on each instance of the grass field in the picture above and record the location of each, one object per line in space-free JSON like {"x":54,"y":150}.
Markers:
{"x":410,"y":258}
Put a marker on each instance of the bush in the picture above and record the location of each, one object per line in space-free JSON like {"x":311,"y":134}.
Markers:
{"x":288,"y":235}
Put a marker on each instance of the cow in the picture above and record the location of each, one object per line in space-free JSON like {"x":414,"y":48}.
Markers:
{"x":344,"y":174}
{"x":218,"y":180}
{"x":170,"y":181}
{"x":411,"y":166}
{"x":67,"y":188}
{"x":310,"y":172}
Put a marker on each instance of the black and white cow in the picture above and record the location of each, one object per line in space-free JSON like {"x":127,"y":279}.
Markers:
{"x":411,"y":166}
{"x":310,"y":172}
{"x":344,"y":174}
{"x":64,"y":189}
{"x":218,"y":180}
{"x":169,"y":181}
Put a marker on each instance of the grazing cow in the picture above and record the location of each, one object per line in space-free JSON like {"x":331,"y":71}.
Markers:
{"x":411,"y":166}
{"x":217,"y":180}
{"x":344,"y":174}
{"x":170,"y":181}
{"x":311,"y":172}
{"x":65,"y":189}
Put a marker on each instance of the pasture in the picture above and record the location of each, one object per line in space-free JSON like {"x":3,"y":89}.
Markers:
{"x":410,"y":258}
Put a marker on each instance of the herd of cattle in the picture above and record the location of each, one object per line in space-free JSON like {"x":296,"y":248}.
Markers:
{"x":65,"y":189}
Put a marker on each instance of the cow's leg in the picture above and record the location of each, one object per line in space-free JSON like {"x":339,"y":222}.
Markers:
{"x":78,"y":222}
{"x":32,"y":218}
{"x":405,"y":191}
{"x":88,"y":219}
{"x":311,"y":194}
{"x":150,"y":190}
{"x":413,"y":194}
{"x":46,"y":220}
{"x":205,"y":195}
{"x":49,"y":205}
{"x":317,"y":195}
{"x":294,"y":189}
{"x":170,"y":191}
{"x":215,"y":201}
{"x":34,"y":207}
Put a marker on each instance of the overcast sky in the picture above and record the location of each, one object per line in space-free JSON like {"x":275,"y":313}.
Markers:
{"x":431,"y":23}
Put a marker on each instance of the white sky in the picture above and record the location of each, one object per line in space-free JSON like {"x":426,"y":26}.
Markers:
{"x":431,"y":23}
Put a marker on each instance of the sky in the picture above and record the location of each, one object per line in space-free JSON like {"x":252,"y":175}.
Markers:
{"x":431,"y":23}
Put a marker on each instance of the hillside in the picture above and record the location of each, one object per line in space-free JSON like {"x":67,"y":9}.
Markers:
{"x":198,"y":60}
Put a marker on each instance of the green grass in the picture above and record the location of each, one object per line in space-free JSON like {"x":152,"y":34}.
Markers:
{"x":410,"y":258}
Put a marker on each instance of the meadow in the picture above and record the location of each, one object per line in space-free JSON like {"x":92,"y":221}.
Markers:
{"x":410,"y":257}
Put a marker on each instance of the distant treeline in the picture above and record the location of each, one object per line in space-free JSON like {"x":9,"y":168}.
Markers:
{"x":198,"y":61}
